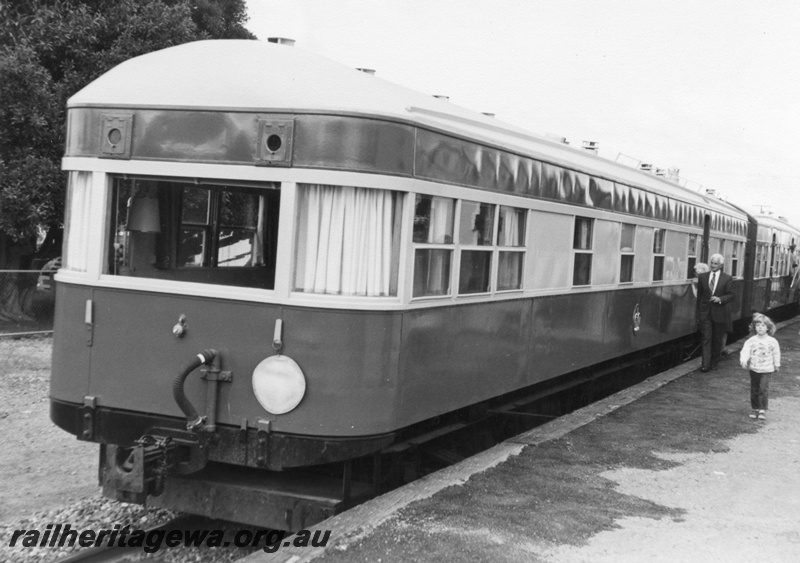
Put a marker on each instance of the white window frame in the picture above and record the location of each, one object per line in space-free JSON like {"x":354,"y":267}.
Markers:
{"x":585,"y":251}
{"x":490,"y":249}
{"x":623,"y":252}
{"x":661,"y":254}
{"x":451,"y":247}
{"x":521,"y":249}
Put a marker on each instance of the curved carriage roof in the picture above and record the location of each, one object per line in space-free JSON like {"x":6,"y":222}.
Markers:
{"x":247,"y":76}
{"x":776,"y":222}
{"x":769,"y":224}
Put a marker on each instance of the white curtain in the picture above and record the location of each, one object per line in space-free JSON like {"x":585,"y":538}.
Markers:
{"x":78,"y":217}
{"x":441,"y":220}
{"x":257,"y":258}
{"x":440,"y":231}
{"x":345,"y":240}
{"x":509,"y":219}
{"x":509,"y":269}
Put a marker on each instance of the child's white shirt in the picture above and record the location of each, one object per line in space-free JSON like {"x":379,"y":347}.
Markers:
{"x":762,"y":354}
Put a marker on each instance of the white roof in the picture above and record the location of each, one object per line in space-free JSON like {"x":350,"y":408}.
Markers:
{"x":778,"y":223}
{"x":250,"y":75}
{"x":245,"y":75}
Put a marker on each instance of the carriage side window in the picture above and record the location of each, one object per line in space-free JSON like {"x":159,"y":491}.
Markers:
{"x":787,"y":260}
{"x":766,"y":259}
{"x":658,"y":254}
{"x":784,"y":260}
{"x":692,"y":257}
{"x":347,"y":240}
{"x":202,"y":233}
{"x":626,"y":249}
{"x":775,"y":260}
{"x":582,"y":251}
{"x":760,"y":260}
{"x":476,"y":238}
{"x":76,"y":227}
{"x":723,"y":247}
{"x":735,"y":258}
{"x":511,"y":242}
{"x":434,"y":219}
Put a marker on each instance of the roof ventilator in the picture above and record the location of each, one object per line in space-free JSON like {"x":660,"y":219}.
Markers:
{"x":674,"y":175}
{"x":281,"y":40}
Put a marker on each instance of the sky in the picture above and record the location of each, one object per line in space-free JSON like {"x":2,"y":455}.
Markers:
{"x":711,"y":87}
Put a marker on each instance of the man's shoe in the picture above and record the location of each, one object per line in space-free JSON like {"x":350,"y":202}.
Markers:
{"x":704,"y":370}
{"x":762,"y":415}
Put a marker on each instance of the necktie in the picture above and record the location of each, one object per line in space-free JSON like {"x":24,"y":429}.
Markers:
{"x":713,"y":282}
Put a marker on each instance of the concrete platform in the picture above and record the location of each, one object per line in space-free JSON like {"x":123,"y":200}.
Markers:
{"x":669,"y":470}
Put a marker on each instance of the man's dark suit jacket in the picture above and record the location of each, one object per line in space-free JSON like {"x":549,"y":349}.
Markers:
{"x":717,"y":312}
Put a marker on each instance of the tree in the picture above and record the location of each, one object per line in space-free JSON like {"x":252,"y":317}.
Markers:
{"x":50,"y":49}
{"x":221,"y":19}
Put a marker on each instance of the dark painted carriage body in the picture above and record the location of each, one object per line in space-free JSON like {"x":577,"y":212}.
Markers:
{"x":372,"y":366}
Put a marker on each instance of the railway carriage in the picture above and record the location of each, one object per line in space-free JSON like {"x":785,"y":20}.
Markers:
{"x":775,"y":260}
{"x":347,"y":259}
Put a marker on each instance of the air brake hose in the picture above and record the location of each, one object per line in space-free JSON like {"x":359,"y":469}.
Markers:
{"x":193,"y":420}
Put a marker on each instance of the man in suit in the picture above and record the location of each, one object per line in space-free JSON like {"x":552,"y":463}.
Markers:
{"x":714,"y":296}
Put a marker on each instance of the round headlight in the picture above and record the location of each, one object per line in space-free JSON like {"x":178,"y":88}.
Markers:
{"x":278,"y":384}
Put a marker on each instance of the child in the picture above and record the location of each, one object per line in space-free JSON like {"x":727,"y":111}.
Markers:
{"x":762,"y":355}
